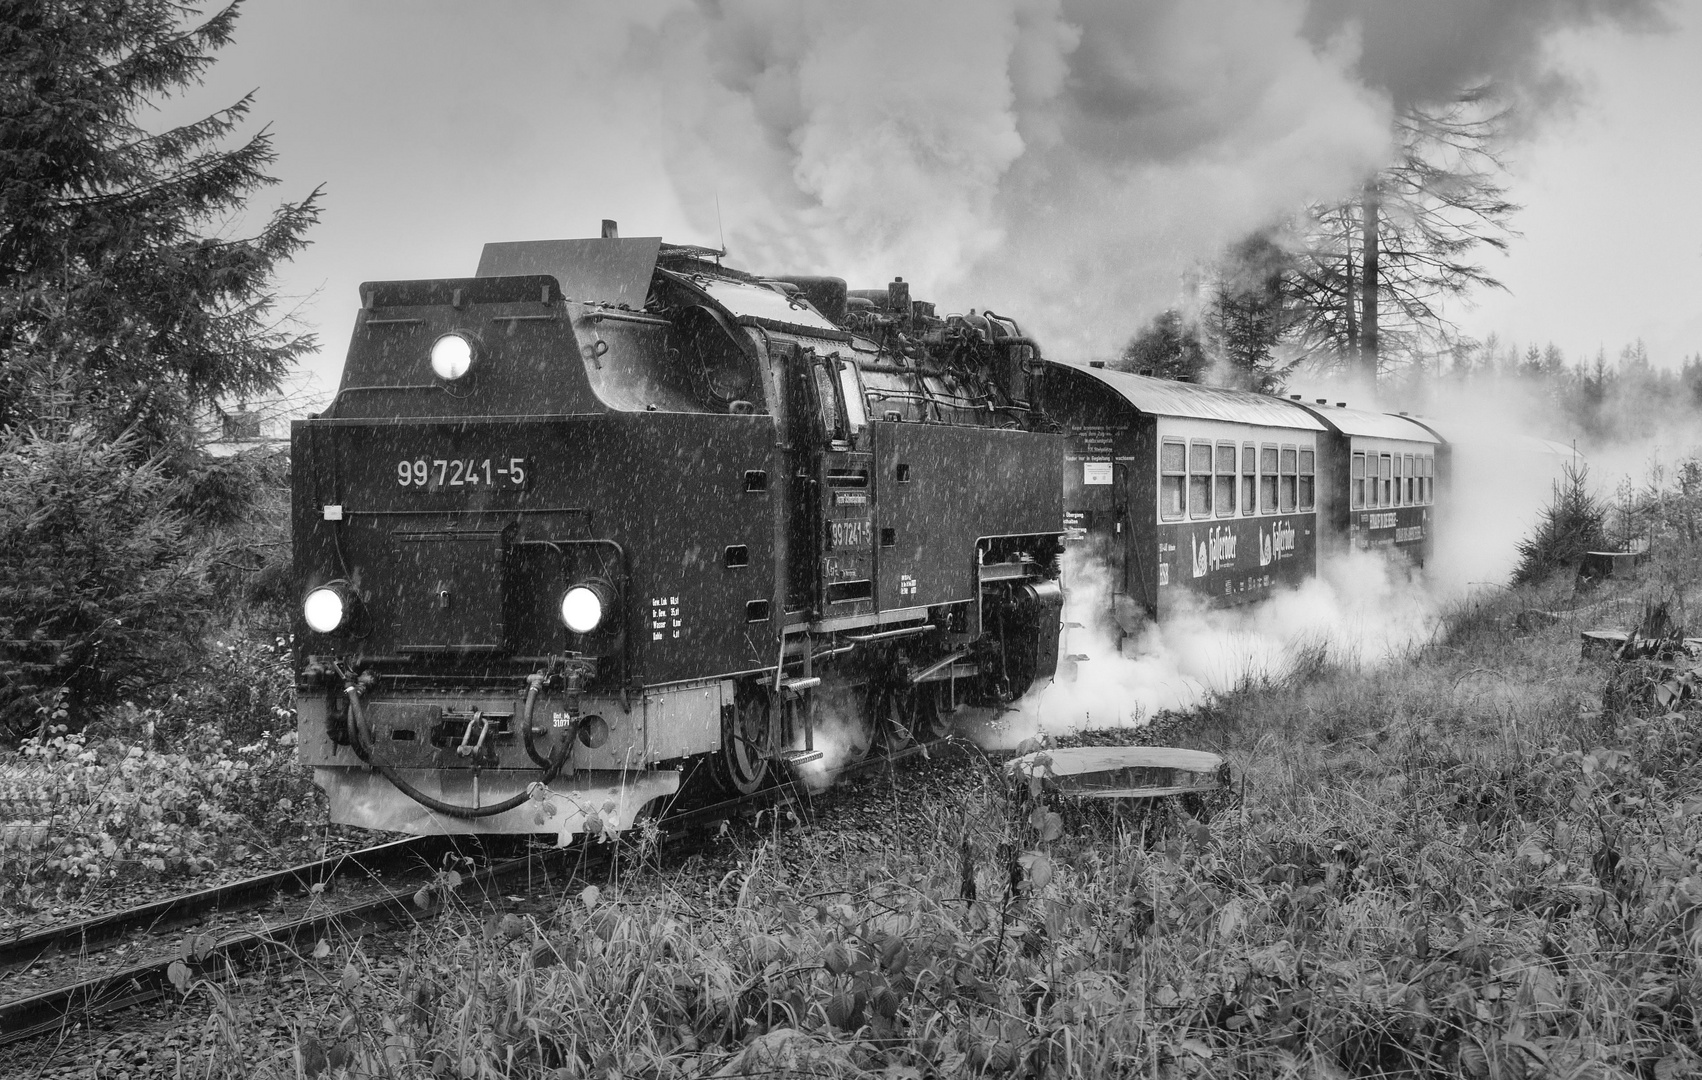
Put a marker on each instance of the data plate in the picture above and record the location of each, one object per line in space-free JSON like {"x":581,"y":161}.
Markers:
{"x":463,"y":474}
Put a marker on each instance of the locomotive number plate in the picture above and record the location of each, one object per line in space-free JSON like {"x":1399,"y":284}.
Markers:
{"x":436,"y":474}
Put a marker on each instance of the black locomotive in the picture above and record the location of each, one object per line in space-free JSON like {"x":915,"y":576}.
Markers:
{"x":608,"y":519}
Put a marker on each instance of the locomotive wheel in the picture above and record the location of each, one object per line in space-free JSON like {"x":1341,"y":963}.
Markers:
{"x":930,"y":709}
{"x":747,"y":741}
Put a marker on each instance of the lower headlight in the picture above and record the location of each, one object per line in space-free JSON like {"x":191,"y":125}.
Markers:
{"x":326,"y":608}
{"x":584,"y":606}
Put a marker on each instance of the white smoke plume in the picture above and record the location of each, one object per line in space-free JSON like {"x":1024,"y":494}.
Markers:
{"x":1063,"y":161}
{"x":1427,"y":50}
{"x":1362,"y":609}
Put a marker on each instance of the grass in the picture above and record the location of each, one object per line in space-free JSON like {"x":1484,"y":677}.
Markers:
{"x":1458,"y":863}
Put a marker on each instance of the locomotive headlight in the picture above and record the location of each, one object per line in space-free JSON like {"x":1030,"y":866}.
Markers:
{"x":327,"y":608}
{"x":586,"y":605}
{"x":452,"y":356}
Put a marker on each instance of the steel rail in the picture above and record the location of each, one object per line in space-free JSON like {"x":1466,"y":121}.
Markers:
{"x":51,"y":1010}
{"x":26,"y":949}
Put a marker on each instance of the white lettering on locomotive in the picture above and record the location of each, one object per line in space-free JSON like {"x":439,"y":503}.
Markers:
{"x":852,"y":534}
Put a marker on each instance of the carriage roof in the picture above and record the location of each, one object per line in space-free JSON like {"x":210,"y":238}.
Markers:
{"x":1166,"y":397}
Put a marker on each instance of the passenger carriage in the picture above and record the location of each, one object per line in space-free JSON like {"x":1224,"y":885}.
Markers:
{"x":1389,"y":464}
{"x":1187,"y":493}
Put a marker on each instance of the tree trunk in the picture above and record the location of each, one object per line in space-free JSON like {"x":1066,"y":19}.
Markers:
{"x":1368,"y":252}
{"x":1349,"y":279}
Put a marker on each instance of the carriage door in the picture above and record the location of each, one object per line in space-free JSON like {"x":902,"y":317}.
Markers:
{"x":1122,"y":531}
{"x":844,"y":487}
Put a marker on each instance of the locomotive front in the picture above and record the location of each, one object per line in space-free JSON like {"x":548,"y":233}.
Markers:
{"x":608,"y":520}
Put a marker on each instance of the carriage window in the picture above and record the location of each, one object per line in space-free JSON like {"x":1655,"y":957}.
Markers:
{"x":1268,"y":479}
{"x":1199,"y":479}
{"x":1249,"y":478}
{"x":1429,"y":479}
{"x":1225,"y":493}
{"x":1412,"y":481}
{"x":1172,"y":480}
{"x":1286,"y":491}
{"x":1308,"y":469}
{"x":1398,"y":476}
{"x":1358,"y":481}
{"x":1385,"y":474}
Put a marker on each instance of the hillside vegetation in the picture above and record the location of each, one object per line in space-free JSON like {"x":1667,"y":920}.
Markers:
{"x":1480,"y":859}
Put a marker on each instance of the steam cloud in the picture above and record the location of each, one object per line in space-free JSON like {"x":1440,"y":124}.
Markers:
{"x":1427,"y":51}
{"x":1066,"y":161}
{"x":1362,"y":608}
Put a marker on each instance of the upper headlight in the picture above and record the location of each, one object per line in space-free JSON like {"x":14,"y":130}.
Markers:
{"x":326,"y":608}
{"x":585,"y":606}
{"x":452,"y":356}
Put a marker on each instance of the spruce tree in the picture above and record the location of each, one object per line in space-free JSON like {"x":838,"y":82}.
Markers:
{"x":1573,"y":523}
{"x":115,"y":281}
{"x":130,"y":301}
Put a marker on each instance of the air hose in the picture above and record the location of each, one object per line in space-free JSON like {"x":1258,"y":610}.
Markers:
{"x":552,"y":766}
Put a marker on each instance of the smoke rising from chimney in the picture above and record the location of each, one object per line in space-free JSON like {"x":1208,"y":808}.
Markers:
{"x":1061,"y":160}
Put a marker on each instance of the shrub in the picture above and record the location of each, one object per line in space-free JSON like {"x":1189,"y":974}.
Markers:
{"x":123,"y":803}
{"x":100,"y":580}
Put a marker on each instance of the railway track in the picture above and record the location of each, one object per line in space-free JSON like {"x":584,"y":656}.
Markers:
{"x":26,"y":949}
{"x":202,"y":957}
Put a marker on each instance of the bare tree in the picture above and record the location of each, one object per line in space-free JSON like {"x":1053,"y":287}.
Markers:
{"x":1369,"y":274}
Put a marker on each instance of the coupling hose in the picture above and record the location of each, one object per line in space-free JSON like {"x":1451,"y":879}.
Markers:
{"x":357,"y":742}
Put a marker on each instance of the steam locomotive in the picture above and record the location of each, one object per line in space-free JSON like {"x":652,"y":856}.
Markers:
{"x":609,"y":522}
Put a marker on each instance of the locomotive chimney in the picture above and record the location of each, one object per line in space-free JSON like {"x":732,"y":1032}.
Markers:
{"x":611,"y":231}
{"x":898,"y":298}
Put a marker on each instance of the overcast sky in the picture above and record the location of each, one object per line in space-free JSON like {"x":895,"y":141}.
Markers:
{"x":1063,"y":161}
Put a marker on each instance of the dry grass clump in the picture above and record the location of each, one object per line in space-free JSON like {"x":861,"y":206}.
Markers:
{"x":1458,"y":864}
